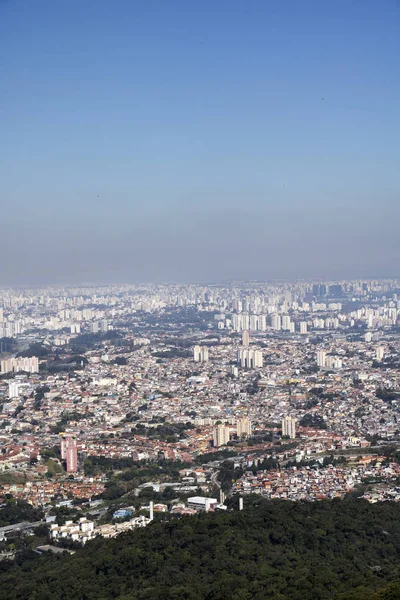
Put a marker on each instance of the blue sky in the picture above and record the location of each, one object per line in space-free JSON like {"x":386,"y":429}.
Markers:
{"x":184,"y":140}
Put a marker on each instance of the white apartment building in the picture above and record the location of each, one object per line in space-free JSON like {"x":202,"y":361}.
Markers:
{"x":289,"y":427}
{"x":200,"y":354}
{"x":249,"y":359}
{"x":16,"y":365}
{"x":221,"y":435}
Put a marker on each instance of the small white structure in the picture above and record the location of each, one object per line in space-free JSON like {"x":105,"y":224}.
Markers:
{"x":202,"y":503}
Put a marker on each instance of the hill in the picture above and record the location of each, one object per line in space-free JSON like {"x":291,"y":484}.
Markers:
{"x":281,"y":550}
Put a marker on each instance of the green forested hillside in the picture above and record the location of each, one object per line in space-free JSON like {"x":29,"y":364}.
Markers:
{"x":280,"y":550}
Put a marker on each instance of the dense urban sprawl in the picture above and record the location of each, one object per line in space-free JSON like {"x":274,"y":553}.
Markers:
{"x":155,"y":399}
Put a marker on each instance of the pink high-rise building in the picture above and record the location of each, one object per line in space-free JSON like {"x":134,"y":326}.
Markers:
{"x":69,"y":452}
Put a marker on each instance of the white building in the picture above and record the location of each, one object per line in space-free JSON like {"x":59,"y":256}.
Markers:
{"x":94,"y":327}
{"x":333,"y":362}
{"x":221,"y":435}
{"x":249,"y":359}
{"x":16,"y":365}
{"x":243,"y":427}
{"x":13,"y":389}
{"x":321,"y":358}
{"x":289,"y":427}
{"x":202,"y":503}
{"x":303,"y":327}
{"x":276,"y":322}
{"x":200,"y":354}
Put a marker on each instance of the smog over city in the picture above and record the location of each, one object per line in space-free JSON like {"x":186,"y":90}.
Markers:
{"x":200,"y":300}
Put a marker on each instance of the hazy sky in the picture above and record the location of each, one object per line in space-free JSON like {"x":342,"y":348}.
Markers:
{"x":178,"y":140}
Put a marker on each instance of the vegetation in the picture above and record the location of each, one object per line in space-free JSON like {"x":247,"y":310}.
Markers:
{"x":120,"y":360}
{"x":67,"y":417}
{"x":35,"y":349}
{"x":388,"y":592}
{"x":85,"y":341}
{"x":165,"y":432}
{"x":12,"y":477}
{"x":7,"y":344}
{"x":15,"y":511}
{"x":313,"y":420}
{"x":217,"y":455}
{"x":94,"y":465}
{"x":387,"y":395}
{"x":341,"y":549}
{"x":127,"y":474}
{"x":53,"y":467}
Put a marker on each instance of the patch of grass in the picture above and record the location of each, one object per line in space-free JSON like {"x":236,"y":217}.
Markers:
{"x":8,"y":477}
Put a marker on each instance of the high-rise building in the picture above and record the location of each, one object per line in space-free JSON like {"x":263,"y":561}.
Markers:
{"x":72,"y":457}
{"x":303,"y":327}
{"x":243,"y":427}
{"x":333,"y":362}
{"x":234,"y":371}
{"x":16,"y":365}
{"x":253,"y":322}
{"x":318,"y":323}
{"x":200,"y":354}
{"x":240,"y":322}
{"x":323,"y":290}
{"x":63,"y":447}
{"x":257,"y":359}
{"x":262,"y":323}
{"x":289,"y":427}
{"x":276,"y":322}
{"x":380,"y":351}
{"x":286,"y":323}
{"x":221,"y":435}
{"x":69,"y":453}
{"x":249,"y":359}
{"x":104,"y":325}
{"x":94,"y":327}
{"x":245,"y":338}
{"x":13,"y":389}
{"x":321,"y":358}
{"x":237,"y":305}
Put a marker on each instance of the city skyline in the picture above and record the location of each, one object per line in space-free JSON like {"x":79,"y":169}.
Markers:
{"x":199,"y":299}
{"x":124,"y":405}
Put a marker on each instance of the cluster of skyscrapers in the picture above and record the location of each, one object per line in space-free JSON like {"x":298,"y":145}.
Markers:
{"x":222,"y":431}
{"x":200,"y":354}
{"x":325,"y":360}
{"x":249,"y":359}
{"x":20,"y":364}
{"x":244,"y":322}
{"x":99,"y":326}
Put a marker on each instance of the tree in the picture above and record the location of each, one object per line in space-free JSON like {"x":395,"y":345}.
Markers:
{"x":272,"y":550}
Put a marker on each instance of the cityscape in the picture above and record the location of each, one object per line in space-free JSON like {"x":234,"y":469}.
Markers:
{"x":199,"y":300}
{"x":290,"y":389}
